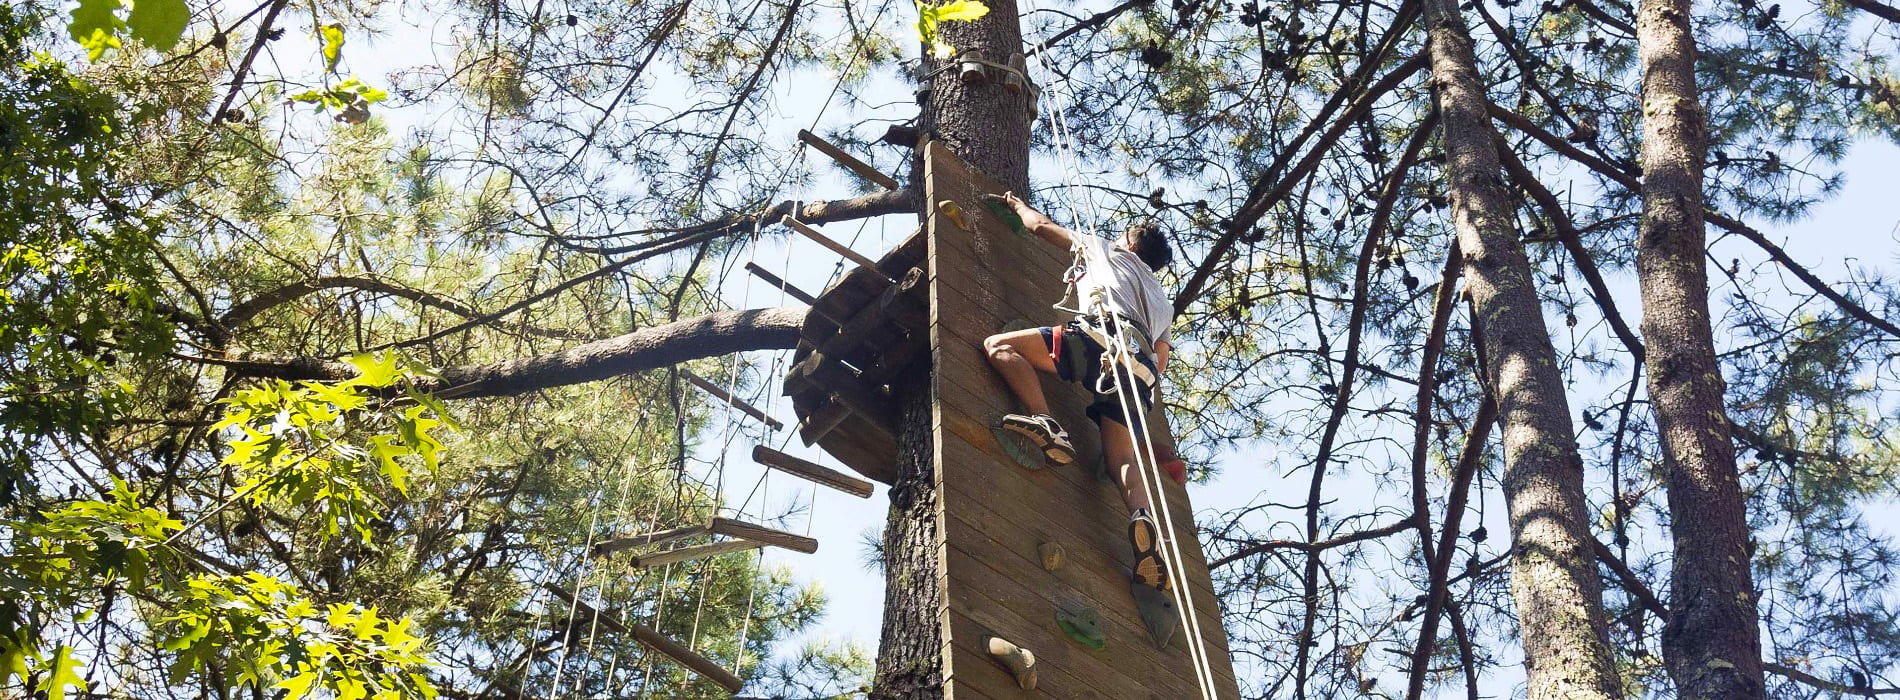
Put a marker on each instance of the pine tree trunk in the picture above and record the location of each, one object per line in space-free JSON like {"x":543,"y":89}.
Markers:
{"x":986,"y":124}
{"x":1712,"y":643}
{"x":910,"y":650}
{"x":1553,"y":568}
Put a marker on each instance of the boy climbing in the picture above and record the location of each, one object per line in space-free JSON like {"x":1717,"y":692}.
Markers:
{"x":1132,"y":307}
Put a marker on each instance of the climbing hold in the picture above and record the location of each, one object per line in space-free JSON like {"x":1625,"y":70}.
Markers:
{"x":954,"y":213}
{"x":1051,"y":555}
{"x":1084,"y":625}
{"x":1020,"y":448}
{"x":1157,"y":612}
{"x":1002,"y":211}
{"x":1020,"y":662}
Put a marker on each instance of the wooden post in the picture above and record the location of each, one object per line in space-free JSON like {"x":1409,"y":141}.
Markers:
{"x":811,"y":471}
{"x":763,"y":535}
{"x":731,"y":400}
{"x":835,"y":246}
{"x":654,"y":640}
{"x":850,"y":162}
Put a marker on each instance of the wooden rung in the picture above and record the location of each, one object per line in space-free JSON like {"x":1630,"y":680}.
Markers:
{"x":780,"y":283}
{"x":850,"y":162}
{"x":731,"y":400}
{"x":835,"y":246}
{"x":759,"y":533}
{"x":675,"y":556}
{"x":823,"y":419}
{"x":653,"y":639}
{"x":811,"y":471}
{"x":650,"y":539}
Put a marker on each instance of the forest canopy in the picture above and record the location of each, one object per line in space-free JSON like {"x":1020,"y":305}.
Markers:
{"x":338,"y":336}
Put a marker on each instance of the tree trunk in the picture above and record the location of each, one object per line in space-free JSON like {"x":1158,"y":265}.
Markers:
{"x":1553,"y":569}
{"x":983,"y":122}
{"x":986,"y":124}
{"x":910,"y":648}
{"x":1712,"y":643}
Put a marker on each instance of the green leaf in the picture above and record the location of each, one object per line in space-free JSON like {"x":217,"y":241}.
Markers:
{"x":332,"y":46}
{"x":96,"y":26}
{"x":158,"y":23}
{"x":65,"y":672}
{"x":376,"y":372}
{"x":961,"y":10}
{"x":298,"y":685}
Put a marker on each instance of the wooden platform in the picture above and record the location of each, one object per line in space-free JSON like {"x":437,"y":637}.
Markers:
{"x":997,"y":516}
{"x":839,"y":380}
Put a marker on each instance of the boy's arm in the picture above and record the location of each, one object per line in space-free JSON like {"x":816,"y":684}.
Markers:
{"x":1036,"y":222}
{"x":1161,"y":365}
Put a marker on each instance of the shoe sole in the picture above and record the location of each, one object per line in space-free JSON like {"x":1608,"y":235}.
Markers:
{"x":1051,"y":450}
{"x":1147,"y":551}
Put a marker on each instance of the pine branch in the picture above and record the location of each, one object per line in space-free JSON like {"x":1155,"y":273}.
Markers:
{"x":645,"y":349}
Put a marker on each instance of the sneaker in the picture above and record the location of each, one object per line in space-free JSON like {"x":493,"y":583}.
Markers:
{"x":1046,"y":432}
{"x":1145,"y":536}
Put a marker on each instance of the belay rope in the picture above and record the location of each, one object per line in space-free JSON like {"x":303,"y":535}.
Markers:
{"x":1126,"y":371}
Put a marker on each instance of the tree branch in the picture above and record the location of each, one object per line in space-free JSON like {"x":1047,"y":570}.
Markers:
{"x":648,"y":348}
{"x":1886,"y":12}
{"x":1096,"y":20}
{"x":1628,"y":180}
{"x":240,"y":313}
{"x":879,"y":203}
{"x":1799,"y":676}
{"x":1277,"y":182}
{"x":1304,"y":546}
{"x":1573,"y":242}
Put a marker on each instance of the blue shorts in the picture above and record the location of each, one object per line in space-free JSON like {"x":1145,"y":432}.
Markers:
{"x":1078,"y":357}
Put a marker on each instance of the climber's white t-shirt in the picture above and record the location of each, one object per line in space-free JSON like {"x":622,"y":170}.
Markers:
{"x":1129,"y":286}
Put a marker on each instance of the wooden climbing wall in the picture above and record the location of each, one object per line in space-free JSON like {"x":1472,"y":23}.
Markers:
{"x":996,"y":514}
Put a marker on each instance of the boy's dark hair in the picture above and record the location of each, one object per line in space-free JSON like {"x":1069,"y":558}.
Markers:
{"x":1147,"y":241}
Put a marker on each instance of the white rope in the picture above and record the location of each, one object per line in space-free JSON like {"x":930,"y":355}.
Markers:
{"x":1132,"y":409}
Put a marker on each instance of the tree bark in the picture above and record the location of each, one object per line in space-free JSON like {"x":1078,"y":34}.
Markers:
{"x":910,"y":648}
{"x":1711,"y":644}
{"x":1553,"y":570}
{"x":983,"y":122}
{"x":987,"y":125}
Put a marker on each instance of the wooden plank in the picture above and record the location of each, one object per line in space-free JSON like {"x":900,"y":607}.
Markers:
{"x":780,"y":284}
{"x":811,"y":471}
{"x":705,"y":667}
{"x":730,"y":400}
{"x":763,"y":535}
{"x":651,"y":539}
{"x":836,"y":247}
{"x":674,"y":556}
{"x":1096,"y":548}
{"x":847,"y":160}
{"x":996,"y":513}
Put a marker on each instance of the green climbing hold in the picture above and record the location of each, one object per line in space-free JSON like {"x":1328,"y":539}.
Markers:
{"x":1020,"y":448}
{"x":1084,"y":625}
{"x":1157,"y":612}
{"x":1003,"y":212}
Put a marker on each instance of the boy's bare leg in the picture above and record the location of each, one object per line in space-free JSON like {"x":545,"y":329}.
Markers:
{"x":1118,"y":448}
{"x":1018,"y":356}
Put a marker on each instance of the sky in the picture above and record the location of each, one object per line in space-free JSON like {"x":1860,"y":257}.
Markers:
{"x":1858,"y":227}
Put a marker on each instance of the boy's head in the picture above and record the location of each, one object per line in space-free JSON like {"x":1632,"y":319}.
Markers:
{"x":1147,"y":242}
